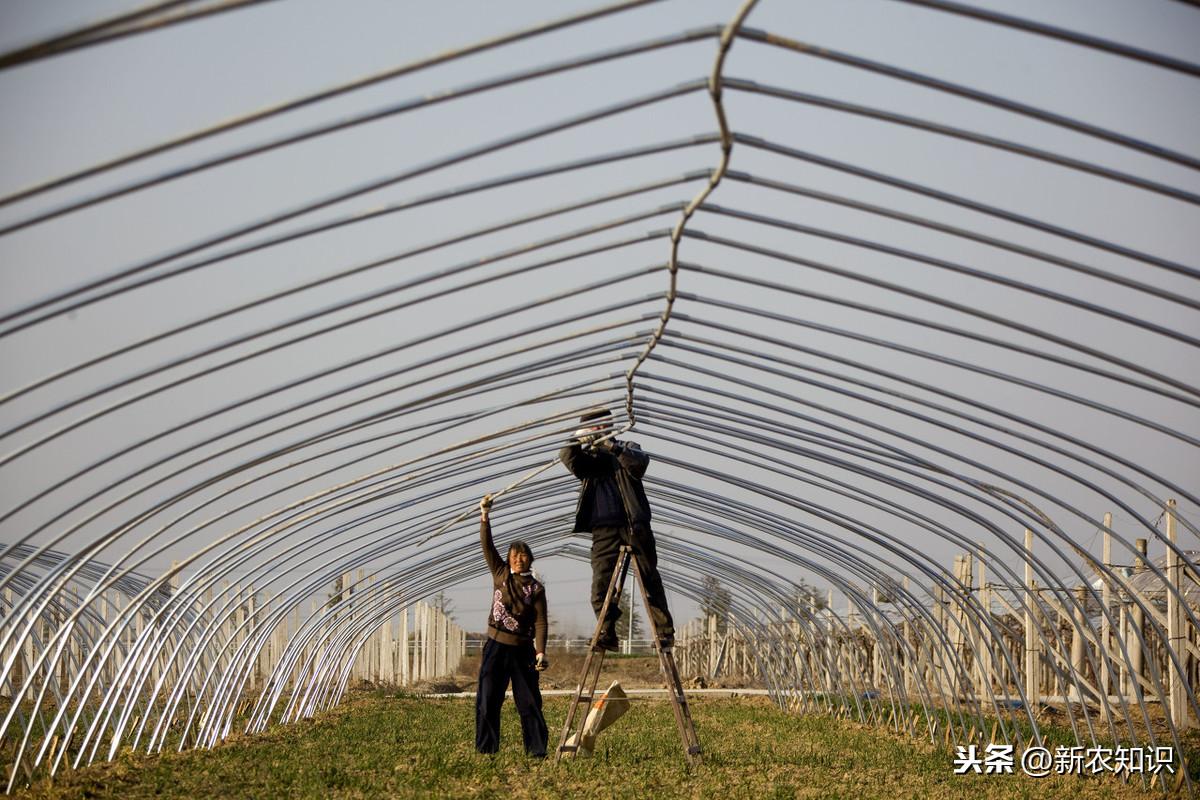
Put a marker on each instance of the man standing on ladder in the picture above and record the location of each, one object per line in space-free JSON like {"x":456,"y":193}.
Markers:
{"x":614,"y":509}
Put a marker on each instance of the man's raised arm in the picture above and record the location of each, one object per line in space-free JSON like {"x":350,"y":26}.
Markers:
{"x":631,"y":457}
{"x":582,"y":465}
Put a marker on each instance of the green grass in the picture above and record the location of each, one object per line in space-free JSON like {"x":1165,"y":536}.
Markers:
{"x":380,"y":745}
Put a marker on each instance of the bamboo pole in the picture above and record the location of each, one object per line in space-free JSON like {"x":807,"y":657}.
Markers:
{"x":1105,"y":679}
{"x":415,"y":675}
{"x":877,"y":650}
{"x":983,"y":651}
{"x":439,"y":643}
{"x":387,"y":665}
{"x":1137,"y":622}
{"x":712,"y":644}
{"x":1077,"y":642}
{"x":1033,"y":642}
{"x":1176,"y":635}
{"x":426,"y":644}
{"x":251,"y":611}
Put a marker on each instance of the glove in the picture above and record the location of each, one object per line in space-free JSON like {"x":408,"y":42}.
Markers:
{"x":485,"y":506}
{"x":541,"y":663}
{"x":608,"y":445}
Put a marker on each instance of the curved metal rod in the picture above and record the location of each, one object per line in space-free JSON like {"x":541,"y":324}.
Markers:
{"x":117,"y":27}
{"x":964,"y":202}
{"x":326,"y":94}
{"x":962,"y":233}
{"x":1061,"y":34}
{"x":530,"y":135}
{"x":326,"y":280}
{"x":415,"y":104}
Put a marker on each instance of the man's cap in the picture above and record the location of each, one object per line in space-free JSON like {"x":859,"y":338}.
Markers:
{"x":595,"y":413}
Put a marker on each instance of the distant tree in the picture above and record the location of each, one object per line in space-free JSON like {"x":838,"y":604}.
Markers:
{"x":338,"y":588}
{"x":806,"y":597}
{"x":717,"y":601}
{"x":562,"y":628}
{"x":556,"y":632}
{"x":623,"y":623}
{"x":443,"y":604}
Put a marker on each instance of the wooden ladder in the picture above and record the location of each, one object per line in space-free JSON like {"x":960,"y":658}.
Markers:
{"x":594,"y":662}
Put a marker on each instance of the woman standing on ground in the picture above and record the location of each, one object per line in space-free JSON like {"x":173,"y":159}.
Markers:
{"x":516,"y":645}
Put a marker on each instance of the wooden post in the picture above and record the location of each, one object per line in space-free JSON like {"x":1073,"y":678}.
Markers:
{"x":387,"y":670}
{"x":18,"y":670}
{"x":163,"y":658}
{"x":712,"y":644}
{"x":281,"y":640}
{"x":877,"y":650}
{"x":422,"y":631}
{"x":1077,"y":641}
{"x":1105,"y":679}
{"x":441,"y":640}
{"x":402,"y":652}
{"x":373,"y":641}
{"x":251,"y":608}
{"x":983,"y":650}
{"x":426,"y":642}
{"x":414,"y":657}
{"x":955,"y":632}
{"x":1033,"y":640}
{"x":439,"y":636}
{"x":418,"y":655}
{"x":224,"y":597}
{"x":1137,"y":622}
{"x":1176,"y":632}
{"x":908,"y":649}
{"x":294,"y":630}
{"x":430,"y":643}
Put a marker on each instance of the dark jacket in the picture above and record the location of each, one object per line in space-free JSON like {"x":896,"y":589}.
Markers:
{"x":624,"y":466}
{"x":518,"y":612}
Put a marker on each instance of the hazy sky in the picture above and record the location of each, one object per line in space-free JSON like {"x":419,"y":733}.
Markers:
{"x":66,"y":113}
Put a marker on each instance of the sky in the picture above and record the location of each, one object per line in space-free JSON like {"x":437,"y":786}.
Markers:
{"x":69,"y":112}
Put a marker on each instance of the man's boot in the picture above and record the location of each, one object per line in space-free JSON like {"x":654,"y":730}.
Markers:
{"x":608,"y":639}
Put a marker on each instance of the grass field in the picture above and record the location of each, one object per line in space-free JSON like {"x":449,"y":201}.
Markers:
{"x":378,"y":744}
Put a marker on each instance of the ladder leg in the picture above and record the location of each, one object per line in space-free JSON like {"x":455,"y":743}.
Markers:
{"x":666,"y":661}
{"x":593,"y":663}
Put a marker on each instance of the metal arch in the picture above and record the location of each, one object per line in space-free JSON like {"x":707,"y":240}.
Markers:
{"x":377,"y":470}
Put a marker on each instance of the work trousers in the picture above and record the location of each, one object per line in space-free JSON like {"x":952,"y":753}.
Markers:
{"x":606,"y":549}
{"x":499,"y":664}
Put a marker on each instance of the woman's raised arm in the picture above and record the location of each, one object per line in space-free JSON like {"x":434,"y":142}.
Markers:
{"x":494,"y":561}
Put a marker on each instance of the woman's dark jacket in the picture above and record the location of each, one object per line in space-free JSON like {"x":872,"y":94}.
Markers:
{"x":518,"y":613}
{"x":611,"y":490}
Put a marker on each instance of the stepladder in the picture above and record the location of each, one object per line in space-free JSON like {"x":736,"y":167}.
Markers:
{"x":593,"y":665}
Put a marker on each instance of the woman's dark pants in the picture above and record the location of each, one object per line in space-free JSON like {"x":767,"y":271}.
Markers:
{"x":499,"y":664}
